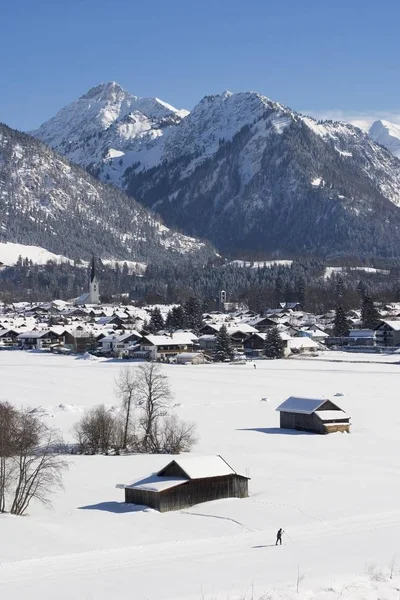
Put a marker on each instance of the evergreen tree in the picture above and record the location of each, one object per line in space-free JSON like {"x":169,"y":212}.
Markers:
{"x":169,"y":321}
{"x":274,"y":345}
{"x":156,"y":320}
{"x":340,"y":324}
{"x":369,"y":315}
{"x":362,"y":289}
{"x":193,"y":313}
{"x":178,"y":318}
{"x":223,"y":346}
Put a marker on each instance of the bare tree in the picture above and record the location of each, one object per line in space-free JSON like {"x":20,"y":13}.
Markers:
{"x":8,"y":418}
{"x":96,"y":431}
{"x":153,"y":394}
{"x":176,"y":436}
{"x":125,"y":388}
{"x":33,"y":466}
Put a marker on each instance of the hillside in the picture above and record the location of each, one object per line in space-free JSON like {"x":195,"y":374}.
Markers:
{"x":47,"y":202}
{"x":246,"y":173}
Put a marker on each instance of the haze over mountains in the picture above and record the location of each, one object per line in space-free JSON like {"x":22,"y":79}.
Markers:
{"x":241,"y":170}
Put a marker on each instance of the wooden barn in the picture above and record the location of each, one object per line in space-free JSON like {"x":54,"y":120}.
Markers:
{"x":317,"y":415}
{"x":186,"y":481}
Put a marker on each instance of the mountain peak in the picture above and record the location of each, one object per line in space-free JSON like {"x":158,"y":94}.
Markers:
{"x":386,"y":134}
{"x":105,"y":91}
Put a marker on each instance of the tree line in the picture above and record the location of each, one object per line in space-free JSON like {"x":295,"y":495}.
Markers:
{"x":167,"y":282}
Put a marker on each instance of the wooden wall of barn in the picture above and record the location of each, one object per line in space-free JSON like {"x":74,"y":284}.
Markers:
{"x":142,"y":497}
{"x":193,"y":492}
{"x":311,"y":423}
{"x":301,"y":422}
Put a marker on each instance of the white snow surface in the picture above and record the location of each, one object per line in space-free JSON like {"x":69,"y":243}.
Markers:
{"x":330,"y":270}
{"x":10,"y":252}
{"x":261,"y":263}
{"x":336,"y":496}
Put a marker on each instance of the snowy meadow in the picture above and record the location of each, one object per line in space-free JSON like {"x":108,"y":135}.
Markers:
{"x":336,"y":496}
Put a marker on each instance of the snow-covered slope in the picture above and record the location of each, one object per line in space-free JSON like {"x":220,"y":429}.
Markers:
{"x":10,"y":253}
{"x":47,"y":202}
{"x":107,"y":122}
{"x":387,"y":134}
{"x":249,"y":174}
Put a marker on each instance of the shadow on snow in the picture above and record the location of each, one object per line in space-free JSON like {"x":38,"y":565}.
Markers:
{"x":276,"y":431}
{"x":115,"y":507}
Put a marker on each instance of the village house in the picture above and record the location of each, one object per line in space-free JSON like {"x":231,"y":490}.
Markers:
{"x":119,"y":342}
{"x":207,"y":342}
{"x":186,"y":481}
{"x":162,"y":347}
{"x":387,"y":333}
{"x":361,"y":337}
{"x":41,"y":338}
{"x":8,"y":337}
{"x":316,"y":415}
{"x":190,"y":358}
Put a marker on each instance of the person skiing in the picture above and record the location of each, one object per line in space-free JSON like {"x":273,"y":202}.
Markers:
{"x":279,"y":537}
{"x":255,"y":366}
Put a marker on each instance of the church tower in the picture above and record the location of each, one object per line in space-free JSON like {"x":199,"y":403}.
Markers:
{"x":94,"y":294}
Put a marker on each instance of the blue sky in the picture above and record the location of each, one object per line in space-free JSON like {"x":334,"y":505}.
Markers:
{"x":313,"y":55}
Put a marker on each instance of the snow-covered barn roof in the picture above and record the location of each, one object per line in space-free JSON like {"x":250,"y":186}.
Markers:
{"x":200,"y":467}
{"x":331,"y":415}
{"x":154,"y":483}
{"x":305,"y":406}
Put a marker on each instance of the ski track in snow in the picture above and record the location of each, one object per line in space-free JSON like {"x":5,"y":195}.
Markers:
{"x":162,"y":553}
{"x":186,"y":512}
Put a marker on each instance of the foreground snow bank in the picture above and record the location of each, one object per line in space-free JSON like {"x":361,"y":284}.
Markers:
{"x":375,"y":584}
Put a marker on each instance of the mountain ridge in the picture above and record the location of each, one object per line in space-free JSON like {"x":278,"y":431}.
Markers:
{"x":49,"y":202}
{"x":249,"y":174}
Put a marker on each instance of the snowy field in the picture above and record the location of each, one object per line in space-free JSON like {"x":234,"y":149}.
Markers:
{"x":336,"y":496}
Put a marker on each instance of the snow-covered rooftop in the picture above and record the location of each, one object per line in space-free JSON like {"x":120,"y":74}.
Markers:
{"x":176,"y":338}
{"x":331,"y":415}
{"x":199,"y":467}
{"x":154,"y":483}
{"x":297,"y":404}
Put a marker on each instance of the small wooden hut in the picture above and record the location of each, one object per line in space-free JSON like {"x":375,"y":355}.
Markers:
{"x":186,"y":481}
{"x":317,"y":415}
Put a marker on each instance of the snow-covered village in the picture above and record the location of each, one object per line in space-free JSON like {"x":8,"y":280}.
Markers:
{"x":179,"y":439}
{"x":199,"y":300}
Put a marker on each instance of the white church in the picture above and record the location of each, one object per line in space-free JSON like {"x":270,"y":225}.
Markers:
{"x":93,"y":296}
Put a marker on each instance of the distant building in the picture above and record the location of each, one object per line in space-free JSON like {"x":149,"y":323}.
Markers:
{"x":186,"y":481}
{"x":93,"y":296}
{"x":316,"y":415}
{"x":387,"y":333}
{"x":162,"y":347}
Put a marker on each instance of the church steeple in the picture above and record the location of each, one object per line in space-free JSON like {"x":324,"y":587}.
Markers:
{"x":93,"y":270}
{"x":94,"y":293}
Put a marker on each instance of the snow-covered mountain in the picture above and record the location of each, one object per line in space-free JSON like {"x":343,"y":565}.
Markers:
{"x":108,"y":122}
{"x":387,"y":134}
{"x":46,"y":201}
{"x":250,"y":175}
